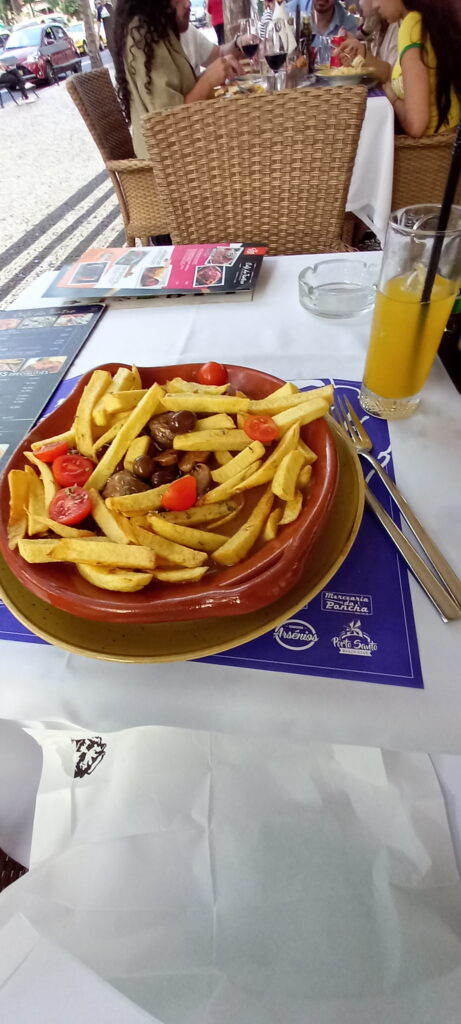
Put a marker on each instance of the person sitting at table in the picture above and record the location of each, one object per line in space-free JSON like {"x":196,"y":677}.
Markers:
{"x":425,"y":86}
{"x":376,"y":42}
{"x":152,"y":70}
{"x":328,"y":17}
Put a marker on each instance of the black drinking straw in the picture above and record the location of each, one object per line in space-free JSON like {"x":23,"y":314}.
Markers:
{"x":445,"y":210}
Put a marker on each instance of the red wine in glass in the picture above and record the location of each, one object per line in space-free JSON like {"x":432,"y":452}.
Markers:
{"x":250,"y":49}
{"x":275,"y":60}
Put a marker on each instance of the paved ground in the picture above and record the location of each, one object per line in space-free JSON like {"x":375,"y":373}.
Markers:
{"x":57,"y":197}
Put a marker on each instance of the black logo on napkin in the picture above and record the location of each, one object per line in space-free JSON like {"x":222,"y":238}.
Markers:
{"x":90,"y":751}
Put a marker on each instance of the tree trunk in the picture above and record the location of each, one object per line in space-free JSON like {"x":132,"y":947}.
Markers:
{"x":234,"y":10}
{"x":92,"y":40}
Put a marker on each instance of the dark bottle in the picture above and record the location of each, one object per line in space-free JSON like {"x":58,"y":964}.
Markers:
{"x":450,"y":346}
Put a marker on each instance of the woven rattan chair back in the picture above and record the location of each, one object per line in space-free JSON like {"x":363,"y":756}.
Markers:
{"x":421,"y":169}
{"x":133,"y":179}
{"x":272,"y":169}
{"x":96,"y":100}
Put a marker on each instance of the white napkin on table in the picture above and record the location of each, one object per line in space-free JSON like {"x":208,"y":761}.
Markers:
{"x":280,"y":14}
{"x":40,"y":982}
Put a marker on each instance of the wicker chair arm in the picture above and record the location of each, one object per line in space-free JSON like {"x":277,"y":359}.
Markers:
{"x":120,"y":166}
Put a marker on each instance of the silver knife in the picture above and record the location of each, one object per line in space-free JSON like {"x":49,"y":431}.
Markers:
{"x":447,"y":608}
{"x":437,"y":560}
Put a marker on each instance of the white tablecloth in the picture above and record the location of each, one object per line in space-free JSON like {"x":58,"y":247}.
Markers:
{"x":370,"y":191}
{"x":275,"y":334}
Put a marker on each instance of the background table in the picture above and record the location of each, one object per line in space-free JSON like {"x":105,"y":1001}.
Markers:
{"x":370,"y":192}
{"x":274,"y":334}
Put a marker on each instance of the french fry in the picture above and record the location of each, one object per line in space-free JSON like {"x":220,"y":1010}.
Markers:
{"x":229,"y":489}
{"x":137,"y":448}
{"x":286,"y":475}
{"x":267,"y":470}
{"x":206,"y":403}
{"x":107,"y":520}
{"x":49,"y":483}
{"x":37,"y":550}
{"x":168,"y":550}
{"x":97,"y":385}
{"x":180,"y":575}
{"x":37,"y":510}
{"x":246,"y":457}
{"x":68,"y":436}
{"x":304,"y":477}
{"x":271,"y":405}
{"x":272,"y":524}
{"x":236,"y":547}
{"x":139,"y":503}
{"x":109,"y":434}
{"x":219,"y":420}
{"x":92,"y":552}
{"x":123,"y":380}
{"x":292,"y":509}
{"x":18,"y":482}
{"x":211,"y":440}
{"x":123,"y":400}
{"x":204,"y":513}
{"x":114,"y":579}
{"x":309,"y":455}
{"x":179,"y":386}
{"x":285,"y":389}
{"x":61,"y":530}
{"x":199,"y":540}
{"x":137,"y":419}
{"x":222,"y":458}
{"x":302,"y":414}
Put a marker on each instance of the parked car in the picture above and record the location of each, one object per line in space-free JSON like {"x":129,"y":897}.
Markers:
{"x":40,"y":52}
{"x":198,"y":13}
{"x":77,"y":32}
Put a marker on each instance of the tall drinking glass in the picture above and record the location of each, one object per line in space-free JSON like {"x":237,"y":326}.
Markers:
{"x":406,"y":333}
{"x":276,"y":50}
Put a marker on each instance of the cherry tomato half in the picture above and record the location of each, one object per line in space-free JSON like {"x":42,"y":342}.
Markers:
{"x":72,"y":469}
{"x":213,"y":373}
{"x":261,"y":428}
{"x":181,"y":494}
{"x":50,"y":452}
{"x":70,"y":505}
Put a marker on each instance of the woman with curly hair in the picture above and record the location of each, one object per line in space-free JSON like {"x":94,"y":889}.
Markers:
{"x":425,"y":86}
{"x":153,"y":72}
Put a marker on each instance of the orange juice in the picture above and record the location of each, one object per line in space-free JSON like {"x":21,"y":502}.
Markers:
{"x":405,"y":335}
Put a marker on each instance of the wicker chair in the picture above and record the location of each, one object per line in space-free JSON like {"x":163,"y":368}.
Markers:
{"x":272,"y":169}
{"x":133,"y":179}
{"x":421,"y":169}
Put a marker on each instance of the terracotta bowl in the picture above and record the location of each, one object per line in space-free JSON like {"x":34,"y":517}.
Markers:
{"x":257,"y":581}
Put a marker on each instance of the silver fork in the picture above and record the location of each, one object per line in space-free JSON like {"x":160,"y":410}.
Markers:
{"x":447,"y":601}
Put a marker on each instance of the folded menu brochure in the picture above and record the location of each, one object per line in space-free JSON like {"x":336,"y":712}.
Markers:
{"x":167,"y":270}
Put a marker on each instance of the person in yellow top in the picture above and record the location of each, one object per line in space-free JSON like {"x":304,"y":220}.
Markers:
{"x":425,"y":86}
{"x":151,"y":67}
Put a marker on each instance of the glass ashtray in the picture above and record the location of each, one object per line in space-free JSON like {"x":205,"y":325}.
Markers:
{"x":338,"y":288}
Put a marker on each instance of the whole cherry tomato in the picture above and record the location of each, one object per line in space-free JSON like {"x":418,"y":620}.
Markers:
{"x":213,"y":373}
{"x":50,"y":452}
{"x":72,"y":469}
{"x":181,"y":494}
{"x":261,"y":428}
{"x":70,"y":505}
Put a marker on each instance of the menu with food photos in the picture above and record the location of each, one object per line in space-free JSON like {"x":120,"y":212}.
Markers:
{"x":360,"y":626}
{"x":37,"y":347}
{"x":167,"y":270}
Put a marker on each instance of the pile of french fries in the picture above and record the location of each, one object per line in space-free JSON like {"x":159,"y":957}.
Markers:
{"x":132,"y":541}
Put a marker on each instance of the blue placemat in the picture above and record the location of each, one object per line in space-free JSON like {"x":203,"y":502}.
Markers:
{"x":361,"y":626}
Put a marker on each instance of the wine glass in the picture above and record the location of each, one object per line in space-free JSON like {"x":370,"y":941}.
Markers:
{"x":276,"y":50}
{"x":249,"y":37}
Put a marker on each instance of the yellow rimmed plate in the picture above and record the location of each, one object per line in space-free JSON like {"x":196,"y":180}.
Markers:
{"x":181,"y":641}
